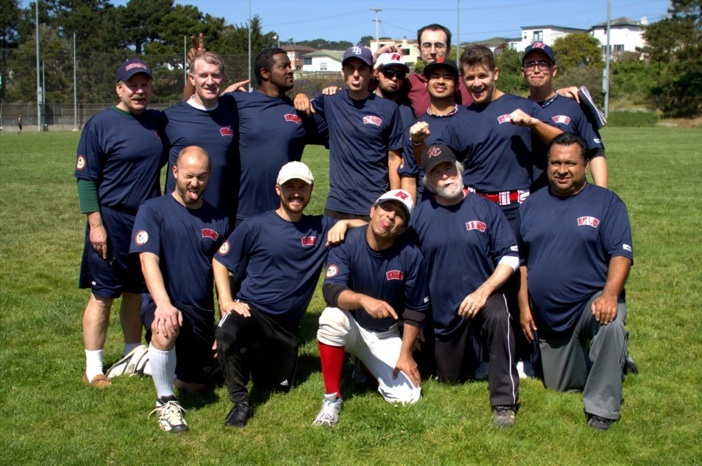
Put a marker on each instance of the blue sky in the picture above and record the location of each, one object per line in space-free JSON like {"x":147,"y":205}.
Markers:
{"x":350,"y":20}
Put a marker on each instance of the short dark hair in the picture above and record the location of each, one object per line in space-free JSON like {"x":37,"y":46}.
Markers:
{"x":568,"y":139}
{"x":264,"y":61}
{"x":475,"y":55}
{"x":434,"y":27}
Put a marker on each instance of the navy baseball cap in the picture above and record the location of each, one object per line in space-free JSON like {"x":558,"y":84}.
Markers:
{"x":131,"y":67}
{"x":362,"y":53}
{"x":436,"y":154}
{"x":439,"y":63}
{"x":540,"y":47}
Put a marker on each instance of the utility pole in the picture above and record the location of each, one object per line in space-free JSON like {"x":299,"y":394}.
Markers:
{"x":39,"y":89}
{"x":458,"y":30}
{"x":608,"y":56}
{"x":377,"y":39}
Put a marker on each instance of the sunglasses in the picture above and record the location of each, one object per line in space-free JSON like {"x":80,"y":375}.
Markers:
{"x":542,"y":64}
{"x":390,"y":73}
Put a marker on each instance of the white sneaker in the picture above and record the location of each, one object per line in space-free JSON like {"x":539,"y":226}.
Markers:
{"x":132,"y":364}
{"x":329,"y":414}
{"x":526,"y":370}
{"x":170,"y":415}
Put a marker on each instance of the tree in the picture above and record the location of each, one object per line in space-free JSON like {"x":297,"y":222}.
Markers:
{"x":509,"y":62}
{"x":9,"y":37}
{"x":579,"y":49}
{"x":141,"y":22}
{"x":365,"y":40}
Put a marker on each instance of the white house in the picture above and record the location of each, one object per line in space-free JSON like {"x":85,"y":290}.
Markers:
{"x":546,"y":34}
{"x":410,"y":49}
{"x":625,"y":34}
{"x":322,"y":60}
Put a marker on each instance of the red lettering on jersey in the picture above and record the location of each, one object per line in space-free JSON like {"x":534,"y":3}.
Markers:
{"x":209,"y":233}
{"x":372,"y":120}
{"x":560,"y":119}
{"x":476,"y":225}
{"x":295,"y":118}
{"x":309,"y":240}
{"x":394,"y":275}
{"x":503,"y":119}
{"x":588,"y":221}
{"x":81,"y":163}
{"x":226,"y":131}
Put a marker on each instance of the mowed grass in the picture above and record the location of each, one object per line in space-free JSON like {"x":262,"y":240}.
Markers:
{"x":48,"y":416}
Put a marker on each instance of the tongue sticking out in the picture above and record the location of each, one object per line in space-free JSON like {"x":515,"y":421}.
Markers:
{"x":193,"y":195}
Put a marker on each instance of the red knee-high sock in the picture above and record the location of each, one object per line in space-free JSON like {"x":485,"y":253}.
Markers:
{"x":332,"y":364}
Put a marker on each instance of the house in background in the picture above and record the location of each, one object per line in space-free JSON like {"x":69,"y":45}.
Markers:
{"x":295,"y":53}
{"x":325,"y":61}
{"x":625,"y":35}
{"x":410,"y":49}
{"x":546,"y":34}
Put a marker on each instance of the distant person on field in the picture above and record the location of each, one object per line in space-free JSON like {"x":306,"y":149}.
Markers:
{"x":176,"y":237}
{"x":575,"y":241}
{"x":120,"y":155}
{"x":19,"y":124}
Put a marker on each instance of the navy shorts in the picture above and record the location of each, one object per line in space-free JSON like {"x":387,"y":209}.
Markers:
{"x":121,"y":271}
{"x":194,"y":355}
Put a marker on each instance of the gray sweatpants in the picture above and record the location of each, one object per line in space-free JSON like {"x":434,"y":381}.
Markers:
{"x":591,"y":359}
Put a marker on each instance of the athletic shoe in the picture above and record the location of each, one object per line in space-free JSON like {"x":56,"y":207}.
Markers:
{"x":504,"y":416}
{"x":99,"y":381}
{"x":481,"y":373}
{"x":170,"y":415}
{"x":329,"y":414}
{"x":526,"y":370}
{"x":132,"y":364}
{"x":630,"y":366}
{"x":239,"y":415}
{"x":598,"y":422}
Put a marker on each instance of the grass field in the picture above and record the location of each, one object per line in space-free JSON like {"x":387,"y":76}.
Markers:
{"x":48,"y":416}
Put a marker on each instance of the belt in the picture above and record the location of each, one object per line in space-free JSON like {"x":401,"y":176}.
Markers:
{"x":504,"y":197}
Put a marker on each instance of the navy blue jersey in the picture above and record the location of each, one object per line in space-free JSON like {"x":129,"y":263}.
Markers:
{"x":396,"y":275}
{"x":185,"y":240}
{"x":123,"y":154}
{"x":271,"y":134}
{"x":361,"y":132}
{"x":462,"y":245}
{"x":279,"y":261}
{"x":217,"y":131}
{"x":496,"y":154}
{"x":567,"y":244}
{"x":410,"y":167}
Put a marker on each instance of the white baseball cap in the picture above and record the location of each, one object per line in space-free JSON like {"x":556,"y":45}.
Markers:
{"x":295,"y":171}
{"x":401,"y":196}
{"x":389,"y":59}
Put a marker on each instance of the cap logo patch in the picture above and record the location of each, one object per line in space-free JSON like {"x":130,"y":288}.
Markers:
{"x":293,"y":117}
{"x":439,"y":59}
{"x":134,"y":65}
{"x":209,"y":233}
{"x":80,"y":163}
{"x":372,"y":120}
{"x":394,"y":275}
{"x":538,"y":45}
{"x":226,"y":131}
{"x":503,"y":119}
{"x":309,"y":241}
{"x":332,"y":270}
{"x":395,"y":57}
{"x":561,"y":119}
{"x":433,"y":151}
{"x":402,"y":195}
{"x":588,"y":221}
{"x":356,"y":50}
{"x":224,"y":249}
{"x":476,"y":225}
{"x":141,"y":237}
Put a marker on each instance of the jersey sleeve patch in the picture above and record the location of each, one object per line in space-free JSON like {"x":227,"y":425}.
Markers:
{"x":141,"y":238}
{"x":80,"y":163}
{"x":332,"y":270}
{"x":224,"y":248}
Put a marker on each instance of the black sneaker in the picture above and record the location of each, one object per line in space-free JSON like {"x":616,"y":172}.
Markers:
{"x":504,"y":416}
{"x":597,"y":422}
{"x":239,"y":415}
{"x":630,"y":366}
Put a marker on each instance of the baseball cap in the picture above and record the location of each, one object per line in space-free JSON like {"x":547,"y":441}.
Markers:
{"x":401,"y":196}
{"x":362,"y":53}
{"x":436,"y":154}
{"x":131,"y":67}
{"x":389,"y":59}
{"x":295,"y":171}
{"x":540,"y":47}
{"x":441,"y":62}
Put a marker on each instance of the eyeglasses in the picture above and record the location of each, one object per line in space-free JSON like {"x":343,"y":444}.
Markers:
{"x":542,"y":64}
{"x":390,"y":73}
{"x":435,"y":45}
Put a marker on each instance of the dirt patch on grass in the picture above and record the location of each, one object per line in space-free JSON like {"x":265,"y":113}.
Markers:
{"x":681,"y":122}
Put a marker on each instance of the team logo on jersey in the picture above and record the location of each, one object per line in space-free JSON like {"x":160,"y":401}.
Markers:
{"x":332,"y":270}
{"x":224,"y":249}
{"x":226,"y":131}
{"x":503,"y":119}
{"x":372,"y":120}
{"x":588,"y":221}
{"x":209,"y":233}
{"x":476,"y":225}
{"x":293,"y":117}
{"x":394,"y":275}
{"x":141,"y":237}
{"x":80,"y":163}
{"x":309,"y":240}
{"x":626,"y":247}
{"x":561,"y":119}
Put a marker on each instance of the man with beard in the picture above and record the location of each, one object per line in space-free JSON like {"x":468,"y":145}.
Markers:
{"x":470,"y":252}
{"x":276,"y":258}
{"x":176,"y":236}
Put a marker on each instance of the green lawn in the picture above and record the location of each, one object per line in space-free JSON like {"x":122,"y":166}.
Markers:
{"x":48,"y":416}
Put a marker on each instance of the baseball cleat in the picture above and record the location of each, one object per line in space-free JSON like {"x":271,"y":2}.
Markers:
{"x":329,"y":414}
{"x":132,"y":364}
{"x":170,"y":415}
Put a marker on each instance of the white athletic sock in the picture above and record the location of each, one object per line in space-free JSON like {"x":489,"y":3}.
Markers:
{"x":128,"y":347}
{"x":163,"y":364}
{"x":93,"y":363}
{"x":147,"y":369}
